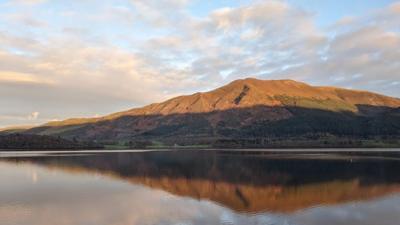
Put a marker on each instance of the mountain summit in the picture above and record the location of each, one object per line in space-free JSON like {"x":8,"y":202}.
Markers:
{"x":244,"y":109}
{"x":253,"y":92}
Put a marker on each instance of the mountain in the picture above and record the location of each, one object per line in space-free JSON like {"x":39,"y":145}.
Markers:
{"x":248,"y":112}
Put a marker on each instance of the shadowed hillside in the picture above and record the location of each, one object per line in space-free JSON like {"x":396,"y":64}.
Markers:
{"x":35,"y":142}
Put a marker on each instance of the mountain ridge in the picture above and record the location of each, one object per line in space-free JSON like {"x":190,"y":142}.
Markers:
{"x":246,"y":109}
{"x":231,"y":89}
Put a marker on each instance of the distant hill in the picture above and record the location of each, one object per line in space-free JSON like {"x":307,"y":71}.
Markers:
{"x":15,"y":129}
{"x":39,"y":142}
{"x":248,"y":112}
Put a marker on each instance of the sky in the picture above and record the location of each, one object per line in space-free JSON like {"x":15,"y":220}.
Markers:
{"x":64,"y":58}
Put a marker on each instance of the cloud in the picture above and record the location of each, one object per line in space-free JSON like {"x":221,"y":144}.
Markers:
{"x":16,"y":77}
{"x":29,"y":2}
{"x":256,"y":40}
{"x":27,"y":19}
{"x":158,"y":13}
{"x":106,"y":57}
{"x":33,"y":116}
{"x":18,"y":119}
{"x":362,"y":54}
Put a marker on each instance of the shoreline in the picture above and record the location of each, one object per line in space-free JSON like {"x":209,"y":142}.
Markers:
{"x":233,"y":150}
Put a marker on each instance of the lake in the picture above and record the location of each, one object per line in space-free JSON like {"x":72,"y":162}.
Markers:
{"x":200,"y":187}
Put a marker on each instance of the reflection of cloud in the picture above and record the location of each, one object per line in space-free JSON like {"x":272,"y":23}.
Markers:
{"x":62,"y":198}
{"x":34,"y":177}
{"x":75,"y":199}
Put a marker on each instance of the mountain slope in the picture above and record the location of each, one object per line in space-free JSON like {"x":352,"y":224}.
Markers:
{"x":248,"y":108}
{"x":251,"y":92}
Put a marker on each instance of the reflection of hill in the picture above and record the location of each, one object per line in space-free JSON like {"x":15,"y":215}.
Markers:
{"x":244,"y":183}
{"x":279,"y":198}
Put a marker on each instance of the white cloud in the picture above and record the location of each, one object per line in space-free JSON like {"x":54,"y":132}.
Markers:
{"x":146,"y":51}
{"x":363,"y":55}
{"x":33,"y":116}
{"x":29,"y":2}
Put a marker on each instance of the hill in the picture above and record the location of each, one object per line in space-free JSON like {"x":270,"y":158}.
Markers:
{"x":248,"y":112}
{"x":39,"y":142}
{"x":15,"y":129}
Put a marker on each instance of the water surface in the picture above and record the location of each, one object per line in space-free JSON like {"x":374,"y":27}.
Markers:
{"x":200,"y":187}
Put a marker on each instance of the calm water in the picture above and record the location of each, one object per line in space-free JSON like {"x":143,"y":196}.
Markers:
{"x":197,"y":187}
